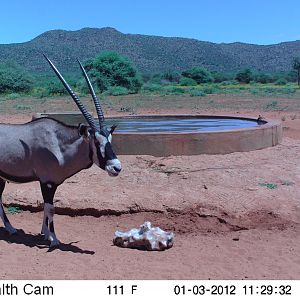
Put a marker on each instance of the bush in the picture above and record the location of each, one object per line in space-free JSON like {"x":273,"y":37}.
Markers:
{"x":174,"y":90}
{"x":263,"y":78}
{"x":291,"y":76}
{"x":281,"y":81}
{"x":199,"y":74}
{"x":55,"y":87}
{"x":171,"y":76}
{"x":82,"y":87}
{"x":155,"y":79}
{"x":13,"y":79}
{"x":267,"y":90}
{"x":244,"y":76}
{"x":185,"y":81}
{"x":152,"y":87}
{"x":221,"y":77}
{"x":209,"y":90}
{"x":116,"y":91}
{"x":197,"y":93}
{"x":229,"y":82}
{"x":12,"y":96}
{"x":111,"y":69}
{"x":40,"y":92}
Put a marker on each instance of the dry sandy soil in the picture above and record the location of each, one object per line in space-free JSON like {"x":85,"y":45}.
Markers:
{"x":228,"y":223}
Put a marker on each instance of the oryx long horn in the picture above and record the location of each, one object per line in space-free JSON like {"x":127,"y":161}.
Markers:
{"x":95,"y":98}
{"x":76,"y":99}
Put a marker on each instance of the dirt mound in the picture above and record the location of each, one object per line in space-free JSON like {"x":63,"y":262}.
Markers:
{"x":201,"y":220}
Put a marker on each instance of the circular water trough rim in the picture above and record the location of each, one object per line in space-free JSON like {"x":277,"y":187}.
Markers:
{"x":166,"y":143}
{"x":268,"y":123}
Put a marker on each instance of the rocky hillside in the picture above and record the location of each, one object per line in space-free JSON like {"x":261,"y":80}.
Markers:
{"x":149,"y":53}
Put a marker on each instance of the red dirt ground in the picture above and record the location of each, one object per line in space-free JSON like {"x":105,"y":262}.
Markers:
{"x":228,"y":225}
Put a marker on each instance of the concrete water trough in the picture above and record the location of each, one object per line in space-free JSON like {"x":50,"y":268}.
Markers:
{"x":164,"y":135}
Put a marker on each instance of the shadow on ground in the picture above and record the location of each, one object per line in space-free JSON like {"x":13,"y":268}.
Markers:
{"x":31,"y":240}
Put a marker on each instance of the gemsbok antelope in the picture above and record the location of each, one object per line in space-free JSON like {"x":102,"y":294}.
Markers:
{"x":50,"y":151}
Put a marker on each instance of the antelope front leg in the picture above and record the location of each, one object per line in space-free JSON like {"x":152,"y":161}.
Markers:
{"x":48,"y":191}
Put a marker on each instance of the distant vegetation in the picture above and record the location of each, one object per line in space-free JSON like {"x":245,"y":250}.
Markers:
{"x":114,"y":74}
{"x":109,"y":70}
{"x":296,"y":66}
{"x":13,"y":79}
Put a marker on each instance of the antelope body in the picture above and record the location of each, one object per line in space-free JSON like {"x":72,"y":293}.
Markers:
{"x":50,"y":151}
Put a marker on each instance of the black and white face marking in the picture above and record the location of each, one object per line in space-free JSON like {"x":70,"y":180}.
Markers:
{"x":106,"y":158}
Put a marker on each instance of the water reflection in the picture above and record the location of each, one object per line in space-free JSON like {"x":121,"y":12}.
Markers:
{"x":178,"y":124}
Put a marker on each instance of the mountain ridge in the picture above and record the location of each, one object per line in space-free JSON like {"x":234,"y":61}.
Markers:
{"x":149,"y":53}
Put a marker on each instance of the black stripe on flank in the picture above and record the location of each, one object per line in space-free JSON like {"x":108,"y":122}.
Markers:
{"x":49,"y":118}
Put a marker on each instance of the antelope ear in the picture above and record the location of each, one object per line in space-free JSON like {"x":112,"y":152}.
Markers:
{"x":83,"y":130}
{"x":112,"y":128}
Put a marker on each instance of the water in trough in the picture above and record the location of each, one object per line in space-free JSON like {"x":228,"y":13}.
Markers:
{"x":169,"y":124}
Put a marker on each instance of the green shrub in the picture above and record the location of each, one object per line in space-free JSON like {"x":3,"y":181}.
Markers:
{"x":262,"y":78}
{"x":14,"y":79}
{"x":270,"y":185}
{"x":281,"y":81}
{"x":199,"y":74}
{"x":209,"y":89}
{"x":12,"y":96}
{"x":14,"y":210}
{"x":229,"y":82}
{"x":55,"y":87}
{"x":23,"y":107}
{"x":254,"y":91}
{"x":111,"y":69}
{"x":221,"y":77}
{"x":116,"y":91}
{"x":82,"y":87}
{"x":173,"y":90}
{"x":171,"y":76}
{"x":196,"y":93}
{"x":269,"y":90}
{"x":244,"y":76}
{"x":155,"y":79}
{"x":185,"y":81}
{"x":40,"y":92}
{"x":288,"y":90}
{"x":291,"y":76}
{"x":152,"y":87}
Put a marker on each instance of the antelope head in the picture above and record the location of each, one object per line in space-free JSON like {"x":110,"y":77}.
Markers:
{"x":100,"y":137}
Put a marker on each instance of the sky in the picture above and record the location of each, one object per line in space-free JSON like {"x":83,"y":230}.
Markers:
{"x":252,"y":21}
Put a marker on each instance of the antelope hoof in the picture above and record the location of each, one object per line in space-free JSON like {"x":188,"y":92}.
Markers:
{"x":54,"y":243}
{"x":45,"y":236}
{"x":11,"y":230}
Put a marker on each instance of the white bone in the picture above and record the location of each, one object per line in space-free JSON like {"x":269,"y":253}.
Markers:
{"x":146,"y":237}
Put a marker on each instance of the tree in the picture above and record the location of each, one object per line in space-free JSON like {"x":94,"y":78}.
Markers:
{"x":296,"y":66}
{"x":171,"y":76}
{"x":220,"y":77}
{"x":111,"y":69}
{"x":199,"y":74}
{"x":263,"y":78}
{"x":185,"y":81}
{"x":14,"y":79}
{"x":291,"y":76}
{"x":244,"y":76}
